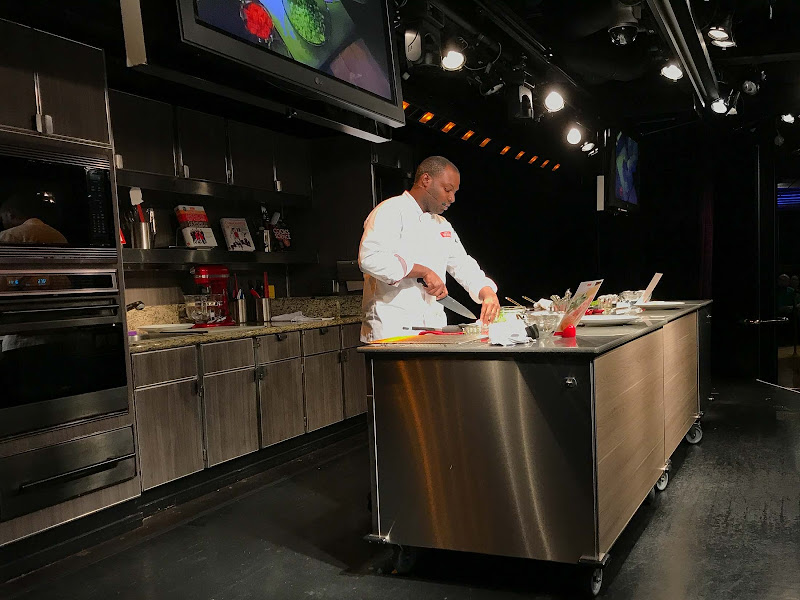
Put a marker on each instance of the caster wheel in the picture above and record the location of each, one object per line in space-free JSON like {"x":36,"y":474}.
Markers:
{"x":663,"y":481}
{"x":651,"y":497}
{"x":595,"y":582}
{"x":695,"y":434}
{"x":404,"y":559}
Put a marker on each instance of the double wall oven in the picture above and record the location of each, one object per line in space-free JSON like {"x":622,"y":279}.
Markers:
{"x":63,"y":358}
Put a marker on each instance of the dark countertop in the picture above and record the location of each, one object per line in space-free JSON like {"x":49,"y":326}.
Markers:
{"x":223,"y":334}
{"x":590,"y":340}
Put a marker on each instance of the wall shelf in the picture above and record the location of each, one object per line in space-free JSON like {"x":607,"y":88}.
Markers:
{"x":134,"y":259}
{"x":199,"y":187}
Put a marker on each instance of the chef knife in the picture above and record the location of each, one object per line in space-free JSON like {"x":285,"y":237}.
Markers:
{"x":453,"y":305}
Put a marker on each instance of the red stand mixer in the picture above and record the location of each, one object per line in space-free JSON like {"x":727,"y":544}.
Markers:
{"x":213,"y":280}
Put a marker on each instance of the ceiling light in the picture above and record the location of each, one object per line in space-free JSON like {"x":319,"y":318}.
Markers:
{"x":672,"y":71}
{"x":719,"y":106}
{"x":504,"y":150}
{"x":426,"y":117}
{"x":544,"y":164}
{"x":787,"y":118}
{"x":484,"y":142}
{"x":595,"y":151}
{"x":448,"y":127}
{"x":520,"y":155}
{"x":554,"y":101}
{"x":467,"y":135}
{"x":453,"y":60}
{"x":557,"y":167}
{"x":405,"y":105}
{"x":588,"y":147}
{"x":533,"y":160}
{"x":574,"y":136}
{"x":718,"y":33}
{"x":729,"y":43}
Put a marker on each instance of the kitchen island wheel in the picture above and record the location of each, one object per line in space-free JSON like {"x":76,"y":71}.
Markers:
{"x":663,"y":481}
{"x":593,"y":581}
{"x":695,"y":434}
{"x":404,"y":559}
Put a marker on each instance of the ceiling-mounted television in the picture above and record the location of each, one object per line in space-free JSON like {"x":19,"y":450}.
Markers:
{"x":623,"y":177}
{"x":337,"y":50}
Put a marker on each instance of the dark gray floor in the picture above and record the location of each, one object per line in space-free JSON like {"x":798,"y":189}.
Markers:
{"x":728,"y":526}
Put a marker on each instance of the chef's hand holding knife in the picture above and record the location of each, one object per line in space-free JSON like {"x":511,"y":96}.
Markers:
{"x":433,"y":284}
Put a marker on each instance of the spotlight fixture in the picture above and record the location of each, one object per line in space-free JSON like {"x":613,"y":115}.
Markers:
{"x":750,"y":88}
{"x":672,"y":71}
{"x":533,"y":160}
{"x":448,"y":127}
{"x":595,"y":151}
{"x":587,"y":147}
{"x":453,"y":58}
{"x":485,"y":142}
{"x":719,"y":106}
{"x":722,"y":32}
{"x":788,"y":118}
{"x":405,"y":105}
{"x":729,"y":43}
{"x":554,"y":101}
{"x":574,"y":136}
{"x":557,"y":167}
{"x":544,"y":164}
{"x":467,"y":135}
{"x":505,"y":150}
{"x":426,"y":117}
{"x":520,"y":155}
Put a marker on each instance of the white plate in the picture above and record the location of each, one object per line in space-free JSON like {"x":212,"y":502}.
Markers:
{"x":660,"y":305}
{"x":608,"y":320}
{"x":167,"y":327}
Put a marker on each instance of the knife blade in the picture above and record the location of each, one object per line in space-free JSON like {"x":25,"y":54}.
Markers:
{"x":453,"y":305}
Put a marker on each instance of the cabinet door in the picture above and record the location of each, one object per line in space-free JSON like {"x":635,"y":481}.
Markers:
{"x":72,"y":87}
{"x":202,"y":142}
{"x":322,"y":382}
{"x":169,"y":431}
{"x":231,"y":415}
{"x":252,"y":155}
{"x":322,"y":339}
{"x":18,"y":100}
{"x":144,"y":133}
{"x":292,"y":165}
{"x":354,"y":374}
{"x":281,"y":400}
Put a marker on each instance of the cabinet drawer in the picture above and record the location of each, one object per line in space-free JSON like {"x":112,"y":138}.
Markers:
{"x":277,"y":346}
{"x":317,"y":341}
{"x":351,"y":335}
{"x":160,"y":366}
{"x":224,"y":356}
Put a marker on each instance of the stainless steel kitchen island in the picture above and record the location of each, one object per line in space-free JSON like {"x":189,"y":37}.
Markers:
{"x":543,"y":450}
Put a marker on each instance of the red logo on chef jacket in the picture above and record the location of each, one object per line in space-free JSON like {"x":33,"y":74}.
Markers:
{"x":446,"y":234}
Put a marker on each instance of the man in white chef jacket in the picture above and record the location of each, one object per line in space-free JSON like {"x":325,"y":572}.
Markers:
{"x":407,"y":238}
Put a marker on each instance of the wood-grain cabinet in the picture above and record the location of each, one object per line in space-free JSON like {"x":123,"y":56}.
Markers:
{"x":52,"y":85}
{"x":200,"y":406}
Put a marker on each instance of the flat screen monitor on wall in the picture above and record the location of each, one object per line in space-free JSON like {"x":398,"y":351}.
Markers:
{"x":338,"y":50}
{"x":623,"y":176}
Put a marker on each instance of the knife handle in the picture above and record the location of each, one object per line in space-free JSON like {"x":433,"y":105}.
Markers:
{"x":422,"y":281}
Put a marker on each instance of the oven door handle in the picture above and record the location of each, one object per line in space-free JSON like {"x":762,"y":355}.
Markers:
{"x":45,"y":326}
{"x":28,"y":311}
{"x":61,"y":478}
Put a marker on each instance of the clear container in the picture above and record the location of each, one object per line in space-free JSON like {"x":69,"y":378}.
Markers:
{"x":204,"y":308}
{"x":544,"y":320}
{"x":509,"y":313}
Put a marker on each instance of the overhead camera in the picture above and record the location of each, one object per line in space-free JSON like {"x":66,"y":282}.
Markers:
{"x":623,"y":34}
{"x":750,"y":88}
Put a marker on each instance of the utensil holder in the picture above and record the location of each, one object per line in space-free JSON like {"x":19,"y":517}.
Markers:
{"x":142,"y":237}
{"x":263,"y":310}
{"x":239,"y":310}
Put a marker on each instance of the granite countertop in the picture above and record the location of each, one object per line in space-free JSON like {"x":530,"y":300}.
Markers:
{"x":222,"y":334}
{"x":590,"y":340}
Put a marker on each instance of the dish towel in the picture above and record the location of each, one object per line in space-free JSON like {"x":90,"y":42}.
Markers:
{"x":508,"y":333}
{"x":297,"y":317}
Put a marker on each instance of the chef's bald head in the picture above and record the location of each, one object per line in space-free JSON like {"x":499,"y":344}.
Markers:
{"x":433,"y":166}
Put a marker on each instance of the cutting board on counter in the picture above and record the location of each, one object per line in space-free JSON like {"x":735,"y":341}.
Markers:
{"x":438,"y":340}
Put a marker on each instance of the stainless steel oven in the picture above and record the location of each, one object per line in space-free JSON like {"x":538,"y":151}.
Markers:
{"x":63,"y":356}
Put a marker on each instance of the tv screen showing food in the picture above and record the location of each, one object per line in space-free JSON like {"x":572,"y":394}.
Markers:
{"x":344,"y":39}
{"x":626,"y":171}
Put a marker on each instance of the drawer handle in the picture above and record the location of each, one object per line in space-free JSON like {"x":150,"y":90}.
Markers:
{"x":281,"y":336}
{"x":323,"y":330}
{"x":61,"y":478}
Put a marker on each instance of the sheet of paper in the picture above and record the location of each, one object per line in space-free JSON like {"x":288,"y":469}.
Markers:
{"x":583,"y":297}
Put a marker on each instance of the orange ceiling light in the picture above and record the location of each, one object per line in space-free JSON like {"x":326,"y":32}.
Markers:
{"x":520,"y":155}
{"x":505,"y":150}
{"x":405,"y":105}
{"x":484,"y":142}
{"x":467,"y":135}
{"x":448,"y":127}
{"x":557,"y":167}
{"x":426,"y":117}
{"x":544,"y":164}
{"x":534,"y":159}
